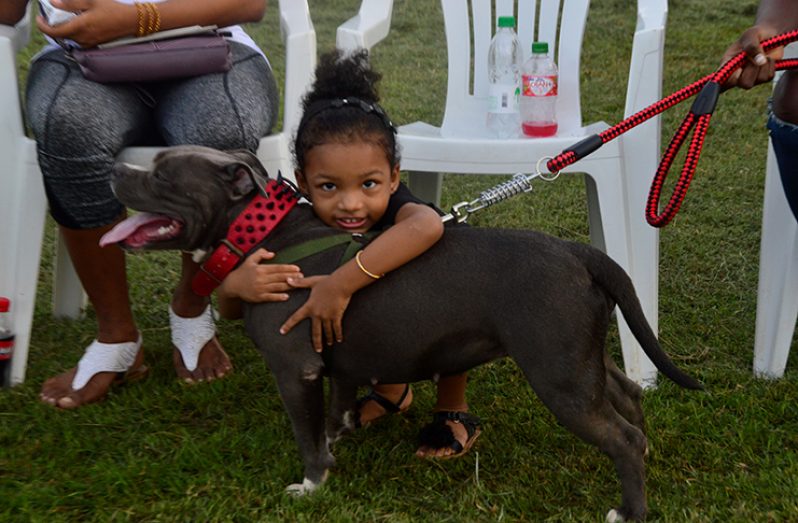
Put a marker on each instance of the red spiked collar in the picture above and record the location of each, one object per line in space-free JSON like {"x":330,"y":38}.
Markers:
{"x":255,"y":222}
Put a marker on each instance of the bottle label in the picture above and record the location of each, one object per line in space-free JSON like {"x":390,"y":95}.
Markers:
{"x":6,"y":347}
{"x":503,"y":98}
{"x":534,"y":85}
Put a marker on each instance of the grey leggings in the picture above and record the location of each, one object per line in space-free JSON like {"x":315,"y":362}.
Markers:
{"x":80,"y":125}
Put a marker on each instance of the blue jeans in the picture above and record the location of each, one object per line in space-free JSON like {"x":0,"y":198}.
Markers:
{"x":784,"y":136}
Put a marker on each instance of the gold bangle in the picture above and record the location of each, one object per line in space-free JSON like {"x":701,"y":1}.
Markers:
{"x":154,"y":18}
{"x":366,"y":271}
{"x":141,"y":14}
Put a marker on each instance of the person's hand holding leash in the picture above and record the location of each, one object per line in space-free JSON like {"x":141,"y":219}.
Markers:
{"x":760,"y":65}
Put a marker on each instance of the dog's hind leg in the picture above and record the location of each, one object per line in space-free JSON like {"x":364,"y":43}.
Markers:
{"x":624,"y":394}
{"x":587,"y":412}
{"x":341,"y":413}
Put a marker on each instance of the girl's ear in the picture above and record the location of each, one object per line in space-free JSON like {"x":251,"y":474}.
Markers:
{"x":394,"y":178}
{"x":301,"y":182}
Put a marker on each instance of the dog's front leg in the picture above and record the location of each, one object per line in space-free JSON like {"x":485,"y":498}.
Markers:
{"x":302,"y":393}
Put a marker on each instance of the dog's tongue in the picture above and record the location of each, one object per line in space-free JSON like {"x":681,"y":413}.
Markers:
{"x":130,"y":226}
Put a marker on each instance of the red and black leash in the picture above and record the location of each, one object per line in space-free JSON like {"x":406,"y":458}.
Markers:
{"x":697,"y":120}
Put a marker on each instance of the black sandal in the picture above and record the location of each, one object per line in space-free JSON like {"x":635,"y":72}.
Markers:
{"x":438,"y":435}
{"x":389,"y":406}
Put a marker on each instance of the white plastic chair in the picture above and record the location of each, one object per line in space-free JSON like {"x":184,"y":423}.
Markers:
{"x":22,"y":200}
{"x":371,"y":24}
{"x":777,"y":296}
{"x":616,"y":179}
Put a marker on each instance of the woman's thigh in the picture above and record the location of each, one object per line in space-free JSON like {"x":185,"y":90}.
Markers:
{"x":231,"y":110}
{"x":80,"y":126}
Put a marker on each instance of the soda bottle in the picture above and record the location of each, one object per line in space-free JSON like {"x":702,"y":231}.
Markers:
{"x":504,"y":69}
{"x":539,"y":93}
{"x":6,"y":342}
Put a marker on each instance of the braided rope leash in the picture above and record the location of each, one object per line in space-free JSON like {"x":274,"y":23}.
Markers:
{"x":696,"y":120}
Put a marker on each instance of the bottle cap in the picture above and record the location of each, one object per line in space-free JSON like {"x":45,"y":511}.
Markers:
{"x":506,"y":21}
{"x":540,"y":47}
{"x":4,"y":304}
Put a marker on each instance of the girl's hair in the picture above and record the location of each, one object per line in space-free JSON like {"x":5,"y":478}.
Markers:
{"x":341,"y":107}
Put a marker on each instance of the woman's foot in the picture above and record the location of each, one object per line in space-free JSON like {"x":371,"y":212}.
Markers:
{"x":381,"y":401}
{"x":102,"y":366}
{"x":450,"y":434}
{"x":198,"y":356}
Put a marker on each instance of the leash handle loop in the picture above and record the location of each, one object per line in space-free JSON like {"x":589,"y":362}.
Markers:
{"x":710,"y":87}
{"x":699,"y":117}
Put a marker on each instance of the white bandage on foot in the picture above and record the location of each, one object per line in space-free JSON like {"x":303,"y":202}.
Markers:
{"x":105,"y":357}
{"x":189,"y":335}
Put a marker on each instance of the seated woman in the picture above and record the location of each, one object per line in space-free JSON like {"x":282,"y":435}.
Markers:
{"x":80,"y":126}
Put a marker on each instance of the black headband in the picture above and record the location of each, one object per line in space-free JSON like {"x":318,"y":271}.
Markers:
{"x":351,"y":101}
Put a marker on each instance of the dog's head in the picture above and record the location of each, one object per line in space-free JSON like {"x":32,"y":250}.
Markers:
{"x":186,"y":201}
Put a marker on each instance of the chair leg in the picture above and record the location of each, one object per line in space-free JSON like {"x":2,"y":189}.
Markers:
{"x":69,"y":299}
{"x":29,"y":207}
{"x":777,"y":296}
{"x":609,"y":230}
{"x":426,"y":186}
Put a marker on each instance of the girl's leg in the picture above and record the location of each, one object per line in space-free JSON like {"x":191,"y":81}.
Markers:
{"x":224,"y":111}
{"x":396,"y":398}
{"x":451,"y":398}
{"x":77,"y":141}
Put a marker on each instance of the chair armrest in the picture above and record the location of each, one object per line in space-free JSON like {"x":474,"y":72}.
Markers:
{"x":645,"y":68}
{"x":368,"y":27}
{"x":651,"y":14}
{"x":299,"y":36}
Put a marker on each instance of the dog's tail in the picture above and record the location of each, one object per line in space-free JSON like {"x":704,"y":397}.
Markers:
{"x":614,"y":280}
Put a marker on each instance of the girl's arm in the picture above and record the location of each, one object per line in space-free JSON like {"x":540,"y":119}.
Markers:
{"x":103,"y":20}
{"x":417,"y":228}
{"x":254,"y":282}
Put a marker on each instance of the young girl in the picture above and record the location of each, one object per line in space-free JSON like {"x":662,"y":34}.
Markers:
{"x":347,"y":162}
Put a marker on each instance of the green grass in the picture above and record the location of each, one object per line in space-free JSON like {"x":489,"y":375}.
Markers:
{"x":161,"y":451}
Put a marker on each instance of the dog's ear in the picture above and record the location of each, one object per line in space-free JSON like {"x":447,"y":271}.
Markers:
{"x":242,"y":179}
{"x":248,"y":158}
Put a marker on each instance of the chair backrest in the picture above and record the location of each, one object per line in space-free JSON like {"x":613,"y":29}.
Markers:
{"x":561,"y":23}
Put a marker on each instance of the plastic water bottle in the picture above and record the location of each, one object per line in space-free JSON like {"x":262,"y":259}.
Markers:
{"x":539,"y":93}
{"x":6,"y":343}
{"x":504,"y":75}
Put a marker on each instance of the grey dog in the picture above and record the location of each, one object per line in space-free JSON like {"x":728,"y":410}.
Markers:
{"x":444,"y":313}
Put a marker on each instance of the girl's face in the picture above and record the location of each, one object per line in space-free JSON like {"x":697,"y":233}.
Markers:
{"x":349,"y":184}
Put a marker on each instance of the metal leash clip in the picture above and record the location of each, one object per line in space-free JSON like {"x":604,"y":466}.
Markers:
{"x":520,"y":183}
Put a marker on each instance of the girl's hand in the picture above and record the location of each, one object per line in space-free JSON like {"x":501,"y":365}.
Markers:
{"x":98,"y":21}
{"x":325,"y":308}
{"x":256,"y":282}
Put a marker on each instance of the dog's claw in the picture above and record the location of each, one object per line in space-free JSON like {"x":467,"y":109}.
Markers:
{"x":614,"y":517}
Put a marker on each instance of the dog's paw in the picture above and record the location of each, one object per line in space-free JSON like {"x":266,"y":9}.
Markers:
{"x":301,"y":489}
{"x":613,"y":516}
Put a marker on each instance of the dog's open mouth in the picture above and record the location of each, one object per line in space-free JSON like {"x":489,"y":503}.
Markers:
{"x":142,"y":229}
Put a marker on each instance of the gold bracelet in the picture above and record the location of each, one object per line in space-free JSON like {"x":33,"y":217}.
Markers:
{"x":366,"y":271}
{"x":141,"y":14}
{"x":154,"y":18}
